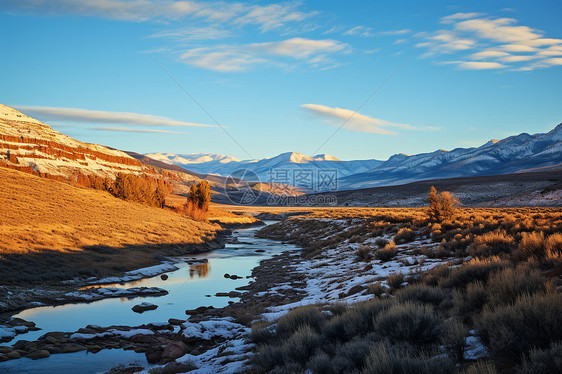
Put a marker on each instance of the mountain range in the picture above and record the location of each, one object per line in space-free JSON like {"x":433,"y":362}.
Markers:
{"x":513,"y":154}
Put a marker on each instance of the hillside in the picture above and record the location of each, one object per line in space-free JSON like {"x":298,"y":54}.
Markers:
{"x":540,"y":189}
{"x":49,"y":229}
{"x":30,"y":145}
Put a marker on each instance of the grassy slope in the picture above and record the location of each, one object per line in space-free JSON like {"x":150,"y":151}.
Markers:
{"x":51,"y":229}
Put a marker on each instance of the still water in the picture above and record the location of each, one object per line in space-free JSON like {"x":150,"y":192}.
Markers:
{"x":189,"y":287}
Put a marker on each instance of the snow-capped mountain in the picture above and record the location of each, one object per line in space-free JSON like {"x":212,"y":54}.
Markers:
{"x":510,"y":155}
{"x":280,"y":168}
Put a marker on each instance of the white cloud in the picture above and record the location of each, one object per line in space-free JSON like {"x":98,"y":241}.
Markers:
{"x":232,"y":58}
{"x":191,"y":33}
{"x":497,"y":40}
{"x":487,"y":54}
{"x":266,"y":17}
{"x":98,"y":116}
{"x":124,"y":129}
{"x":457,"y":16}
{"x":479,"y":65}
{"x":359,"y":30}
{"x":354,"y":121}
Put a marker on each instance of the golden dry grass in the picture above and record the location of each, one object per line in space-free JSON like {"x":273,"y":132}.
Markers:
{"x":41,"y":217}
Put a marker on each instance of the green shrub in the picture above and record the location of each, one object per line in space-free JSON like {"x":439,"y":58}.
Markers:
{"x":408,"y":322}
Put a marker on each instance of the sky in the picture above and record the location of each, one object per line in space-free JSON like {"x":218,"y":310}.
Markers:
{"x":355,"y":79}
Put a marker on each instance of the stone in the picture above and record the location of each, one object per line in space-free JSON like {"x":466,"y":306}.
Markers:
{"x":173,"y":350}
{"x":141,"y":308}
{"x":201,"y":309}
{"x":164,"y":277}
{"x":13,"y":355}
{"x":69,"y":348}
{"x":3,"y":358}
{"x":5,"y":349}
{"x":94,"y":348}
{"x":175,"y":321}
{"x":37,"y":354}
{"x":153,"y":356}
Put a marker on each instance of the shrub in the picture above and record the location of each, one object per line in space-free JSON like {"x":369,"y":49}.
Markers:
{"x":532,"y":245}
{"x":310,"y":316}
{"x":491,"y":244}
{"x":441,"y":205}
{"x":387,"y":253}
{"x":404,"y":235}
{"x":421,"y":293}
{"x":533,"y":321}
{"x":197,"y":205}
{"x":356,"y":321}
{"x":395,"y":280}
{"x":363,"y":253}
{"x":554,"y":245}
{"x":544,"y":361}
{"x":408,"y":322}
{"x":381,"y":242}
{"x":506,"y":285}
{"x":453,"y":336}
{"x":383,"y":359}
{"x":481,"y":367}
{"x":472,"y":271}
{"x":470,"y":301}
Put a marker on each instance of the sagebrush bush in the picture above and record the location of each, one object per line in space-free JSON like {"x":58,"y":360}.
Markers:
{"x":395,"y":280}
{"x":421,"y":293}
{"x":481,"y":367}
{"x":310,"y":316}
{"x":466,"y":303}
{"x":409,"y":322}
{"x":472,"y":271}
{"x":533,"y":321}
{"x":491,"y":244}
{"x":387,"y":253}
{"x":544,"y":361}
{"x":364,"y":253}
{"x":404,"y":235}
{"x":553,"y":245}
{"x":532,"y":245}
{"x":505,"y":286}
{"x":384,"y":359}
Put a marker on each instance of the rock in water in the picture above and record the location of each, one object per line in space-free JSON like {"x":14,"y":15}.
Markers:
{"x":143,"y":307}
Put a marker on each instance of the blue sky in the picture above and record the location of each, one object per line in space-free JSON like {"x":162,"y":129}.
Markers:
{"x":357,"y":79}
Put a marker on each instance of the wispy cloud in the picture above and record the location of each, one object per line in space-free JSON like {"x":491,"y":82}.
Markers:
{"x":265,"y":17}
{"x":494,"y":42}
{"x":356,"y":121}
{"x":124,"y":129}
{"x":192,"y":33}
{"x":97,"y":116}
{"x":232,"y":58}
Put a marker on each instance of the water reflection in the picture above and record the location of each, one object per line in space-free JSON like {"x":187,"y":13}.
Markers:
{"x":201,"y":270}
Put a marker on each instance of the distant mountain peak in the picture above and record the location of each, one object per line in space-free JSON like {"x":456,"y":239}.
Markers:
{"x":325,"y":157}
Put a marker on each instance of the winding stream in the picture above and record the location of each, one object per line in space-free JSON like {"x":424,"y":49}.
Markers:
{"x":191,"y":286}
